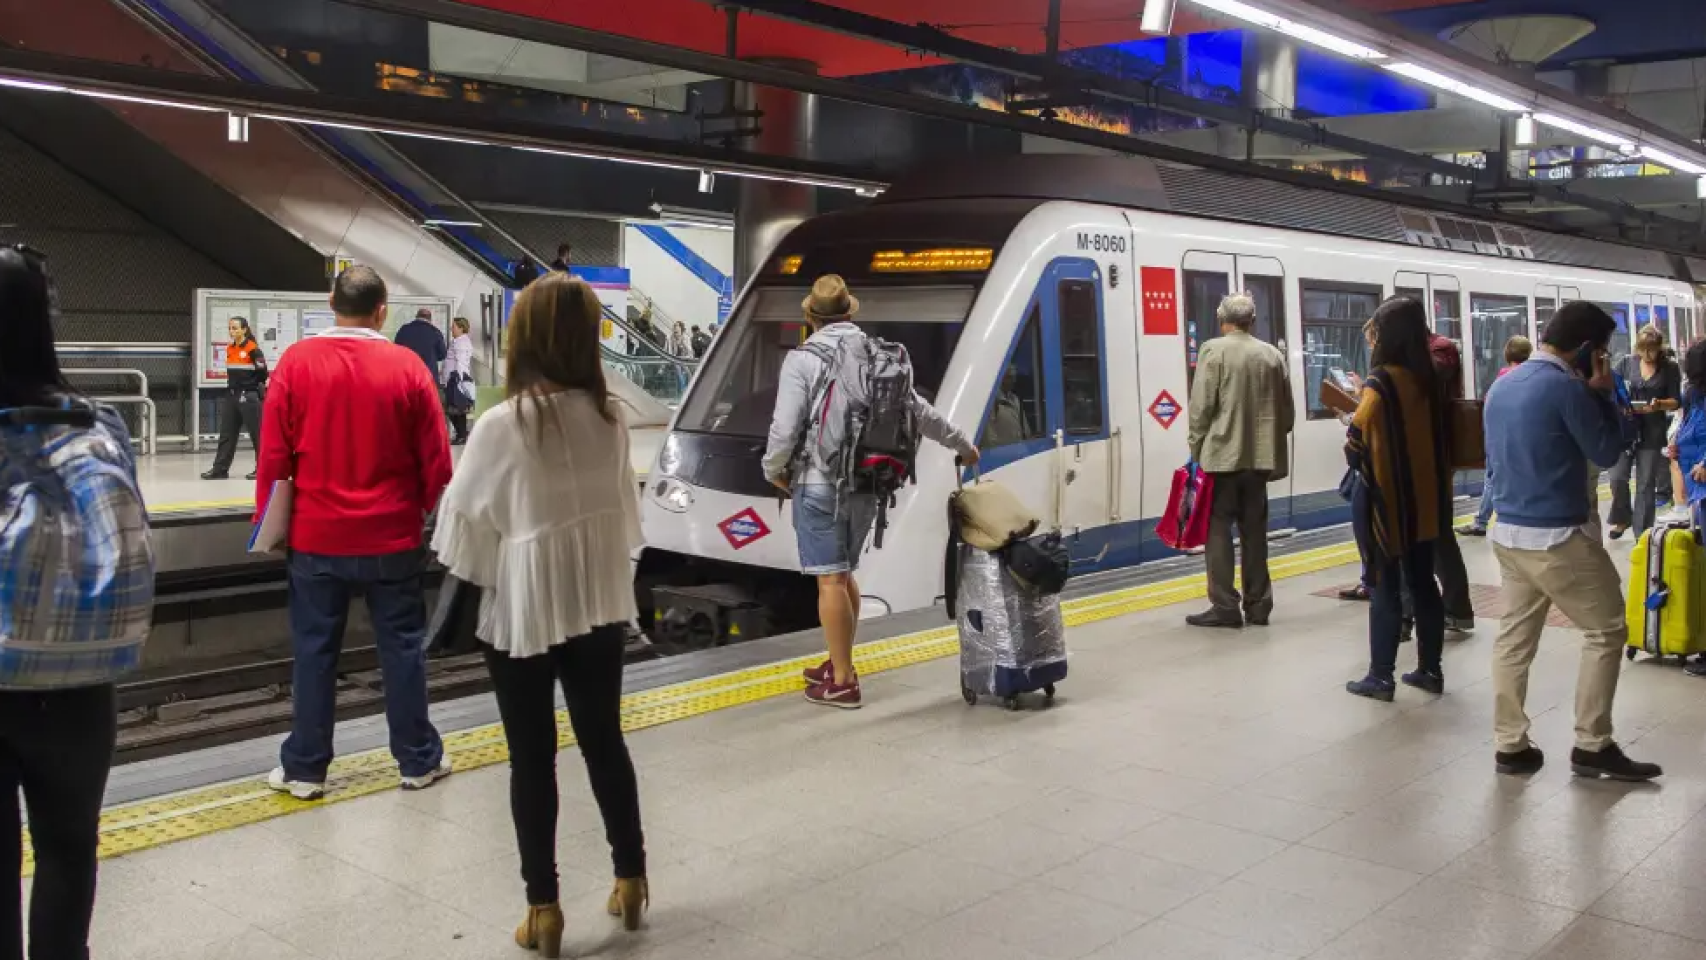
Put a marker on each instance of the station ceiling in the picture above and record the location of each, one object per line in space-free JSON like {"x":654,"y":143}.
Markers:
{"x":1641,"y":29}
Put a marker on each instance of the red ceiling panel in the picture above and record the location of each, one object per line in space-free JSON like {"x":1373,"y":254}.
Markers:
{"x":696,"y":24}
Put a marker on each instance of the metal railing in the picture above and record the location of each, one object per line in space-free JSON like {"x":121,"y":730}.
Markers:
{"x":150,"y":415}
{"x":652,"y":368}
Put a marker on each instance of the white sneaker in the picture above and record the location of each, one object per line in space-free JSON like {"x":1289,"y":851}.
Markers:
{"x":428,"y":779}
{"x":300,"y":789}
{"x":1679,"y":516}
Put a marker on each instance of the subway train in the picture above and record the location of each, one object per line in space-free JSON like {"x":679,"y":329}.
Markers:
{"x":1078,"y":291}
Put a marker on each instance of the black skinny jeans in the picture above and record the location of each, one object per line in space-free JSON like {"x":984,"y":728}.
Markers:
{"x":57,"y":745}
{"x":1386,"y":612}
{"x":590,"y":670}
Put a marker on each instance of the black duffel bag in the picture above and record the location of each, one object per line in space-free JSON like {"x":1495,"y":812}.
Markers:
{"x":1041,"y":564}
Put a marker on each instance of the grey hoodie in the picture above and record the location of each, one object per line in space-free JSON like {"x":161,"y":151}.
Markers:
{"x":800,"y":372}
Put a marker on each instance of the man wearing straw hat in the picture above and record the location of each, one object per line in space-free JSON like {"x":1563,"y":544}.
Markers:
{"x":830,"y":522}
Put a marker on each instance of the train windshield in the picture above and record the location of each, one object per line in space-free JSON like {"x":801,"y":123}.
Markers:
{"x":736,"y":392}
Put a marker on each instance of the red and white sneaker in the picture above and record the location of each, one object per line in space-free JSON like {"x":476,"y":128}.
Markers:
{"x":822,"y":673}
{"x":832,"y":694}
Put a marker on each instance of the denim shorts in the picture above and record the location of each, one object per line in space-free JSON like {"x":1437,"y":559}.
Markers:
{"x":830,"y":540}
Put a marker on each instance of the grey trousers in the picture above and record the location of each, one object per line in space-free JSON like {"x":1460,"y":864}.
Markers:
{"x":1649,"y":469}
{"x":1241,"y":499}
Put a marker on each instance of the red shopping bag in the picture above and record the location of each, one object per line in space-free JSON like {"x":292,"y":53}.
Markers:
{"x":1184,"y":524}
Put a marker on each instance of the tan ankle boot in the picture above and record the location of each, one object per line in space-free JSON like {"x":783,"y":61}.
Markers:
{"x":542,"y":930}
{"x":629,"y":900}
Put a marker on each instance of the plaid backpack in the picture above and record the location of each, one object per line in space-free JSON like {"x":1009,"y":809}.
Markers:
{"x":76,"y":563}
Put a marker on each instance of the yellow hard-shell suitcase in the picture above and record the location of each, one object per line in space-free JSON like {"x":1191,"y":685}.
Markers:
{"x":1667,"y":593}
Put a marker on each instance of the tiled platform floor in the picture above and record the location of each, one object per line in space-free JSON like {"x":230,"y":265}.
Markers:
{"x":1192,"y":796}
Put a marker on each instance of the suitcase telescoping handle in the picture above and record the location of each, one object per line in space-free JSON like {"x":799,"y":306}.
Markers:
{"x":960,"y":473}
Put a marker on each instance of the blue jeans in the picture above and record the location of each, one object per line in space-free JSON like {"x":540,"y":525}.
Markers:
{"x":1386,"y":612}
{"x":1363,"y":532}
{"x":321,"y":588}
{"x":830,"y":530}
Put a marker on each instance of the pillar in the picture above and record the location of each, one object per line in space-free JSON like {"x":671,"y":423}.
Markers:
{"x":1270,"y":73}
{"x":767,"y":209}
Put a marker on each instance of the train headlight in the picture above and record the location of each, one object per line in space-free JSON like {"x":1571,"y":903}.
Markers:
{"x":672,"y":495}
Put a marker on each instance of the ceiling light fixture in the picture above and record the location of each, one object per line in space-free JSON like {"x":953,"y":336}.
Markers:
{"x":1525,"y":134}
{"x":1440,"y":81}
{"x":1672,"y":161}
{"x":1157,"y":16}
{"x":237,"y":127}
{"x":1700,"y":188}
{"x":429,"y":224}
{"x":707,"y":181}
{"x":1583,"y":130}
{"x":1291,"y":28}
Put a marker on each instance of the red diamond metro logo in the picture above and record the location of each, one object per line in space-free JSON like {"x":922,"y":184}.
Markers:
{"x":743,"y":528}
{"x":1165,"y":409}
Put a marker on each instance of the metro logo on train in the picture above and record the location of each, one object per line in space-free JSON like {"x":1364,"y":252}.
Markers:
{"x":1165,"y":410}
{"x":744,"y":528}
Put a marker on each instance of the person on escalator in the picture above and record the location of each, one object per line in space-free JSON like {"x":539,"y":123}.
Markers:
{"x":245,"y":387}
{"x":701,"y":342}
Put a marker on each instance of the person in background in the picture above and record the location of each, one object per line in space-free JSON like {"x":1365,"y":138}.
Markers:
{"x":1517,"y":351}
{"x":353,"y":421}
{"x":1397,"y":446}
{"x":525,"y":271}
{"x":831,"y":523}
{"x":459,"y":370}
{"x":701,"y":342}
{"x":1241,"y":414}
{"x":568,"y":515}
{"x":240,"y":408}
{"x":1687,"y":453}
{"x":1655,"y":388}
{"x":1007,"y":421}
{"x":59,"y":709}
{"x":561,"y":264}
{"x":679,"y":344}
{"x":1352,"y":488}
{"x":423,"y":337}
{"x":1448,"y":558}
{"x":1545,"y":422}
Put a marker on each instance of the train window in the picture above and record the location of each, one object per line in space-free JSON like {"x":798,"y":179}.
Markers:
{"x":1203,"y":292}
{"x":1080,"y":356}
{"x":1414,"y":293}
{"x":1620,"y":341}
{"x":1269,"y":294}
{"x":1020,"y":410}
{"x":1544,"y":307}
{"x":1333,"y":317}
{"x":1448,"y":315}
{"x":735,"y":392}
{"x":1496,"y":319}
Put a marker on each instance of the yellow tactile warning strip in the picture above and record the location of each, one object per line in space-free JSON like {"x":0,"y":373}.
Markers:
{"x":150,"y":823}
{"x":197,"y":506}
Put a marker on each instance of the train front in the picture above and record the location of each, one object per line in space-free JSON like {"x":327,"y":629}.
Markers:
{"x":720,"y":563}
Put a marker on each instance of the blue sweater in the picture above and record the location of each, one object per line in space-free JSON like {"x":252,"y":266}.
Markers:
{"x":426,"y":341}
{"x":1543,"y":424}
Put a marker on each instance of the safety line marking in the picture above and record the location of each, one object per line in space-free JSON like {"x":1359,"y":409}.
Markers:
{"x":204,"y":810}
{"x":192,"y":506}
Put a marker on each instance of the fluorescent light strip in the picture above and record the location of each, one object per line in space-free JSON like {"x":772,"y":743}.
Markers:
{"x":451,"y":223}
{"x":1291,"y":28}
{"x":32,"y":85}
{"x":1672,"y":161}
{"x":1583,"y":130}
{"x":1442,"y":82}
{"x":147,"y":101}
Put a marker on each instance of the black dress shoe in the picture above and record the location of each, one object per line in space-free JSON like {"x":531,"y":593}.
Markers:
{"x":250,"y":475}
{"x":1610,"y":763}
{"x":1215,"y":618}
{"x":1256,"y":619}
{"x":1519,"y":763}
{"x":216,"y":475}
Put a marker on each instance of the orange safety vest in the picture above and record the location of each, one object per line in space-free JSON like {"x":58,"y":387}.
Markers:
{"x":242,"y":371}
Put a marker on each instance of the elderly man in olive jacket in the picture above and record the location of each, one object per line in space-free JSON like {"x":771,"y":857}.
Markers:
{"x":1241,"y":414}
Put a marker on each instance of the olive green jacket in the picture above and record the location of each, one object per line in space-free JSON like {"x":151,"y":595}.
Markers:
{"x":1241,"y":409}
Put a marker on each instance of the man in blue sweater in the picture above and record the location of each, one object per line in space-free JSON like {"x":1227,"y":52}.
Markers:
{"x":1546,"y":420}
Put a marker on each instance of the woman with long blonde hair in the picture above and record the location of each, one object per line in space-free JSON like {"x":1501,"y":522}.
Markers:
{"x":544,"y":526}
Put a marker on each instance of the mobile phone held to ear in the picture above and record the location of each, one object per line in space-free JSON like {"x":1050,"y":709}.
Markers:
{"x":1584,"y":360}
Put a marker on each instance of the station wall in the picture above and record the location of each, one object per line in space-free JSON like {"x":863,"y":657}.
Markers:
{"x":684,"y":269}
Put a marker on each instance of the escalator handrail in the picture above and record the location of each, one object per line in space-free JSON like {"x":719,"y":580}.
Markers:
{"x":684,"y":363}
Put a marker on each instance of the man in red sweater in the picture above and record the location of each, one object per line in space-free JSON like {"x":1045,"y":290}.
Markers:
{"x":353,"y":421}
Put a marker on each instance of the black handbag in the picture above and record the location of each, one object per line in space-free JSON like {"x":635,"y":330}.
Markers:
{"x":1042,"y":564}
{"x":451,"y":630}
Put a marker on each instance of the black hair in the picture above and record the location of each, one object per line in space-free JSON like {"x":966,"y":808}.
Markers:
{"x":1576,"y":323}
{"x":29,"y":365}
{"x":1401,"y":338}
{"x":1694,"y":368}
{"x":247,"y":332}
{"x":563,"y":250}
{"x":358,"y":292}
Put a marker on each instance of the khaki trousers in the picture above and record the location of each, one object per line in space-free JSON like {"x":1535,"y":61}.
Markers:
{"x":1578,"y":577}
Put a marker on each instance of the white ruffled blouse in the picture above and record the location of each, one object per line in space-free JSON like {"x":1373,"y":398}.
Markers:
{"x":545,"y":526}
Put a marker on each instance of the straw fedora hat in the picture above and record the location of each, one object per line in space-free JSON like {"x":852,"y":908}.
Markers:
{"x":829,"y":300}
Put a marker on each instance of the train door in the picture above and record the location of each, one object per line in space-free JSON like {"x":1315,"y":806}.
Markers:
{"x":1263,"y":278}
{"x":1442,"y":295}
{"x":1047,"y":428}
{"x":1654,"y":308}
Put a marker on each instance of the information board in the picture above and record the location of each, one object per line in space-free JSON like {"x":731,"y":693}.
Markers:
{"x":280,"y":319}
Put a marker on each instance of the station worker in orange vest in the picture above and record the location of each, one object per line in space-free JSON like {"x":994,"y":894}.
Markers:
{"x":245,"y":385}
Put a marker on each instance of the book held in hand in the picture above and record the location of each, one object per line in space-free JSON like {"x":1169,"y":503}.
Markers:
{"x":272,"y":532}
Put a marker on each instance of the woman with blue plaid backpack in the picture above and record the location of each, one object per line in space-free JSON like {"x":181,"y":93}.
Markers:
{"x":76,"y":599}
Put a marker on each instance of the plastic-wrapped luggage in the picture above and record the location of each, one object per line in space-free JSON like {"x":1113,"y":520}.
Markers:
{"x":1012,"y":638}
{"x":1666,"y":608}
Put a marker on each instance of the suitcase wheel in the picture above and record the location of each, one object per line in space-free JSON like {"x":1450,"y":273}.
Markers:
{"x":1629,"y":654}
{"x":968,"y":694}
{"x":1048,"y":690}
{"x":1012,"y":702}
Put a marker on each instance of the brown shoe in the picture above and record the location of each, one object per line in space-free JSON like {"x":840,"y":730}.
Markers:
{"x":629,"y":900}
{"x":542,"y":930}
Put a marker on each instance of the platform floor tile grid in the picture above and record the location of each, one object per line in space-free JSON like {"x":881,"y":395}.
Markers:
{"x":1192,"y":795}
